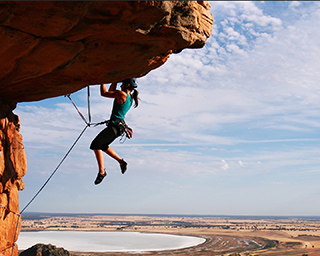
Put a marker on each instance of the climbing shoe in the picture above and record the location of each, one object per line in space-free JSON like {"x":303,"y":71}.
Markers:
{"x":100,"y":177}
{"x":123,"y":166}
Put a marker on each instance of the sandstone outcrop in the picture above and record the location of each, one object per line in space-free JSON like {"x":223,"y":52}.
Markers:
{"x":13,"y":167}
{"x":53,"y":48}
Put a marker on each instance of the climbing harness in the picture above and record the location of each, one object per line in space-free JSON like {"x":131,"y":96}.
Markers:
{"x":88,"y":124}
{"x":127,"y":130}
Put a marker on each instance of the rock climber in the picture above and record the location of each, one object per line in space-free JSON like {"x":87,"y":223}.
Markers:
{"x":116,"y":126}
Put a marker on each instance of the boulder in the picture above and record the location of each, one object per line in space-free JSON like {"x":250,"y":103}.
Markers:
{"x":45,"y":250}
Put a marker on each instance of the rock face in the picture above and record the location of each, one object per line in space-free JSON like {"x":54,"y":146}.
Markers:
{"x":13,"y":167}
{"x":53,"y":48}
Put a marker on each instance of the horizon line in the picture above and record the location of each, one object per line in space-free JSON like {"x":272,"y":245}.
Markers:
{"x":178,"y":215}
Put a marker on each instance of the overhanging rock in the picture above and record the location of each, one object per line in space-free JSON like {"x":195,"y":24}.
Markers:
{"x":52,"y":48}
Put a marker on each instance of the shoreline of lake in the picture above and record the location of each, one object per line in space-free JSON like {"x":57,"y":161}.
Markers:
{"x":108,"y":241}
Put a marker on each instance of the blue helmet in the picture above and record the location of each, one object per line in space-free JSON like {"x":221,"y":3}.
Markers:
{"x":131,"y":81}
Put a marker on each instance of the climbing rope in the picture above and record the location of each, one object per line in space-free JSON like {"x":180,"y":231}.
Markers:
{"x":7,"y":209}
{"x":89,"y":111}
{"x":55,"y":170}
{"x":88,"y":123}
{"x":83,"y":118}
{"x":70,"y":149}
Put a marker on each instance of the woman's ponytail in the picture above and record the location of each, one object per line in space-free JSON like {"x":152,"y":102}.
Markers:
{"x":135,"y":94}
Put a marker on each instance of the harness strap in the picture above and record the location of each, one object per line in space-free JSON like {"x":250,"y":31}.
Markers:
{"x":103,"y":122}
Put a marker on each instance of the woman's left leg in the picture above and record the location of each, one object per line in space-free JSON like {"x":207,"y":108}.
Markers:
{"x":114,"y":155}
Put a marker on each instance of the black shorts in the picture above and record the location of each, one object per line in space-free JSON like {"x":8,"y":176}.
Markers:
{"x":106,"y":137}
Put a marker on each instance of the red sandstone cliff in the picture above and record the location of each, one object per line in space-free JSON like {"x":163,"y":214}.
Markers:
{"x":52,"y":48}
{"x":13,"y":166}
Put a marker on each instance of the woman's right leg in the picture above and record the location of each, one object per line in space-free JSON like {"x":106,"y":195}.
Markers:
{"x":101,"y":173}
{"x":99,"y":156}
{"x":100,"y":144}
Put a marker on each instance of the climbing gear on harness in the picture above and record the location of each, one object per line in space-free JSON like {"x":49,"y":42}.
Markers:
{"x":127,"y":130}
{"x":100,"y":177}
{"x":122,"y":125}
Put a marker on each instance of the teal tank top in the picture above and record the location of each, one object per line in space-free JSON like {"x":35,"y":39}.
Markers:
{"x":119,"y":111}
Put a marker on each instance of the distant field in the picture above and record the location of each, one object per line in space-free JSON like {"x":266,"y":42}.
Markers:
{"x":225,"y":235}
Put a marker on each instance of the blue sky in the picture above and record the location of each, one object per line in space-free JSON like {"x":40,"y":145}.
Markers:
{"x":229,"y":129}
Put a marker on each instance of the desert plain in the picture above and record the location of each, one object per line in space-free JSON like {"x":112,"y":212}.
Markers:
{"x":225,"y":235}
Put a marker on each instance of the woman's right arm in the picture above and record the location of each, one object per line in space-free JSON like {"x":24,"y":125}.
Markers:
{"x":111,"y":93}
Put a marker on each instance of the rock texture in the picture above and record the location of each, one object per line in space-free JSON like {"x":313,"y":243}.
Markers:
{"x":45,"y":250}
{"x":13,"y":167}
{"x":52,"y":48}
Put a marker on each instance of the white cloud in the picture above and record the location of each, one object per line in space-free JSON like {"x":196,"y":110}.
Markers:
{"x":294,"y":4}
{"x":225,"y":165}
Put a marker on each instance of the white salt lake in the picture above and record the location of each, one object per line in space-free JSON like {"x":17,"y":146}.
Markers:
{"x":100,"y":241}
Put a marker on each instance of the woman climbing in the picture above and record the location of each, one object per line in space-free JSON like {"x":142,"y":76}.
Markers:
{"x":122,"y":102}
